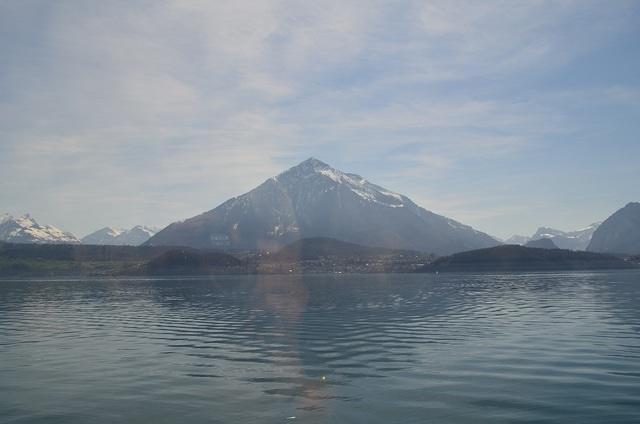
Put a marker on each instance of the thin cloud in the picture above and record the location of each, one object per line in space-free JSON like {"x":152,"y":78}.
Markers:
{"x":185,"y":103}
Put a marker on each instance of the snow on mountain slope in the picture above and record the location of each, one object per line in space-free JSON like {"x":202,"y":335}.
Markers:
{"x":25,"y":229}
{"x":517,"y":239}
{"x":573,"y":240}
{"x":313,"y":199}
{"x":115,"y":236}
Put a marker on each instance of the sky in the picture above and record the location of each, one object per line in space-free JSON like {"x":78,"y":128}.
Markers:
{"x":503,"y":115}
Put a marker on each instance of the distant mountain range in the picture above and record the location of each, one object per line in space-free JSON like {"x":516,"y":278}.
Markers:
{"x":25,"y":229}
{"x":120,"y":237}
{"x":313,"y":199}
{"x":572,"y":240}
{"x":620,"y":233}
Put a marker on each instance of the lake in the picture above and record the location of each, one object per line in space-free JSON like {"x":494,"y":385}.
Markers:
{"x":398,"y":348}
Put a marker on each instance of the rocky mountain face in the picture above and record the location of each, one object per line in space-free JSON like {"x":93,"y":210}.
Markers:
{"x":120,"y":237}
{"x":25,"y":229}
{"x":620,"y":233}
{"x":313,"y":199}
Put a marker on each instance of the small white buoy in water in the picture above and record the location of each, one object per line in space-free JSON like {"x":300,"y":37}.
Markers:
{"x":324,"y":378}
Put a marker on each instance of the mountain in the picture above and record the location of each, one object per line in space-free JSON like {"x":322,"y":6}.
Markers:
{"x":25,"y":229}
{"x":517,"y":239}
{"x":313,"y":199}
{"x":572,"y":240}
{"x":620,"y":233}
{"x":119,"y":237}
{"x":510,"y":258}
{"x":542,"y":243}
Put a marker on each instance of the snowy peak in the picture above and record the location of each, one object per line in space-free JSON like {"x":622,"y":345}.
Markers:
{"x":572,"y":240}
{"x":322,"y":173}
{"x":119,"y":237}
{"x":313,"y":163}
{"x":25,"y":229}
{"x":547,"y":232}
{"x":113,"y":232}
{"x":591,"y":228}
{"x":576,"y":234}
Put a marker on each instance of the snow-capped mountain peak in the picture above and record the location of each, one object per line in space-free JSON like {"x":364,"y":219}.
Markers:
{"x":313,"y":199}
{"x":591,"y":227}
{"x":366,"y":191}
{"x":114,"y":232}
{"x":117,"y":236}
{"x":25,"y":229}
{"x":573,"y":240}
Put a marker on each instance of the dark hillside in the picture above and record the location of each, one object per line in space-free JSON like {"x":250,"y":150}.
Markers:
{"x":191,"y":262}
{"x":520,"y":258}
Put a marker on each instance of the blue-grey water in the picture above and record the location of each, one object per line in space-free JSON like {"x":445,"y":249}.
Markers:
{"x":546,"y":347}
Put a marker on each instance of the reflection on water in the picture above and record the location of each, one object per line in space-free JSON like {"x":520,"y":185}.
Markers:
{"x":382,"y":348}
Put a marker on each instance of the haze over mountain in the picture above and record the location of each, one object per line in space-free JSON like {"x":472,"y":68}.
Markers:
{"x":620,"y":233}
{"x":543,"y":243}
{"x":517,"y":239}
{"x":313,"y":199}
{"x":25,"y":229}
{"x":119,"y":237}
{"x":572,"y":240}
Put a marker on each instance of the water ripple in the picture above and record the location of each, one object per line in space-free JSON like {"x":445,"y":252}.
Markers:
{"x":548,"y":347}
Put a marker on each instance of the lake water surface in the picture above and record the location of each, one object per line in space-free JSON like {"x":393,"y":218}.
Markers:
{"x":546,"y":347}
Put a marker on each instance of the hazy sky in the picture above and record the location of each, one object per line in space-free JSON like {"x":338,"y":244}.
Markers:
{"x":504,"y":115}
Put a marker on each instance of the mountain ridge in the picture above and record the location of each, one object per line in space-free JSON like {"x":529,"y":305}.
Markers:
{"x":572,"y":240}
{"x":110,"y":236}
